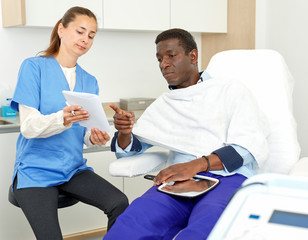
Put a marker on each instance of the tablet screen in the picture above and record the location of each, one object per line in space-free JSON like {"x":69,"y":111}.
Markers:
{"x":191,"y":188}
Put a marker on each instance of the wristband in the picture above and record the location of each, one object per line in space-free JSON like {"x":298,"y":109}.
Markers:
{"x":208,"y":163}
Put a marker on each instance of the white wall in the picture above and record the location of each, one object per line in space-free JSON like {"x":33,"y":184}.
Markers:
{"x":123,"y":62}
{"x":282,"y":25}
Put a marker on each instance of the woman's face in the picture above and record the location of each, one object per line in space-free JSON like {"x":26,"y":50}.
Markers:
{"x":77,"y":38}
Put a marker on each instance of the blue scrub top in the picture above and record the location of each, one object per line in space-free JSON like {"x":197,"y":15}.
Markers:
{"x":44,"y":162}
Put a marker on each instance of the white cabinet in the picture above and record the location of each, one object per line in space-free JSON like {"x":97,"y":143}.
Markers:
{"x":82,"y":217}
{"x":13,"y":223}
{"x":46,"y":13}
{"x":136,"y":186}
{"x":193,"y":15}
{"x":146,"y":15}
{"x":136,"y":14}
{"x":199,"y":15}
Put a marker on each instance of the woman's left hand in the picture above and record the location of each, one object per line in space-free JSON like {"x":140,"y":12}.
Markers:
{"x":73,"y":114}
{"x":99,"y":137}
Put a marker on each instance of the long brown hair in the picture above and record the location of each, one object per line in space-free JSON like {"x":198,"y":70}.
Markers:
{"x":68,"y":17}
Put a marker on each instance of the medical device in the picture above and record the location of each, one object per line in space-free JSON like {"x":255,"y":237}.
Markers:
{"x":268,"y":206}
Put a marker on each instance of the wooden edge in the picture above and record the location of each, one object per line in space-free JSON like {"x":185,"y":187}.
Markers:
{"x":13,"y":13}
{"x":23,"y":12}
{"x":86,"y":234}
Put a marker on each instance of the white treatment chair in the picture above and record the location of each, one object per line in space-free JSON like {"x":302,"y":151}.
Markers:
{"x":266,"y":75}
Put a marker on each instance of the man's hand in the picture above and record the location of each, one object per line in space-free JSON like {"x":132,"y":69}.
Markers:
{"x":99,"y":137}
{"x":177,"y":172}
{"x":73,"y":114}
{"x":188,"y":186}
{"x":123,"y":122}
{"x":185,"y":171}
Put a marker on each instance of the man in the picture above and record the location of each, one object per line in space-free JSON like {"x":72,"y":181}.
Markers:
{"x":212,"y":126}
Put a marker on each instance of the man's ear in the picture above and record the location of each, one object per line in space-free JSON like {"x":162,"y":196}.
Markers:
{"x":194,"y":56}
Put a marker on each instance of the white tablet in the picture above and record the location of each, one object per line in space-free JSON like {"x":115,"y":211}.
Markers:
{"x":92,"y":104}
{"x":210,"y":184}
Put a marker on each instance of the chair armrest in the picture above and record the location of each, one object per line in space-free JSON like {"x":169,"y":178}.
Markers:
{"x":300,"y":168}
{"x":138,"y":164}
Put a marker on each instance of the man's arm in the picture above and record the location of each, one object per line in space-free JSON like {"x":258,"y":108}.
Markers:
{"x":184,"y":171}
{"x":234,"y":157}
{"x":124,"y":143}
{"x":123,"y":122}
{"x":134,"y":146}
{"x":227,"y":158}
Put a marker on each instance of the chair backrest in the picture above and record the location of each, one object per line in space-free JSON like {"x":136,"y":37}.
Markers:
{"x":266,"y":74}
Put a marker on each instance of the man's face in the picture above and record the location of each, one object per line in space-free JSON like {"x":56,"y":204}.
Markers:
{"x":175,"y":65}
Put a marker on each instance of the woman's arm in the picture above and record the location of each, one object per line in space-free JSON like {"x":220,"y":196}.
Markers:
{"x":33,"y":124}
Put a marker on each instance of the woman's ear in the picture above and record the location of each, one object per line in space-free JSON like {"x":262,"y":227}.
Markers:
{"x":194,"y":56}
{"x":60,"y":30}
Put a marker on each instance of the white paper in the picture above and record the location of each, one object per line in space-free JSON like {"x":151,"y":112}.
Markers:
{"x":92,"y":104}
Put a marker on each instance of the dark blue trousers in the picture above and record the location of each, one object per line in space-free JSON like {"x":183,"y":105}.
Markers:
{"x":157,"y":215}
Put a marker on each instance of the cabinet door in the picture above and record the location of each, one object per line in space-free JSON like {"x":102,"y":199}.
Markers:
{"x":136,"y":186}
{"x":46,"y":13}
{"x":136,"y":14}
{"x":199,"y":15}
{"x":11,"y":217}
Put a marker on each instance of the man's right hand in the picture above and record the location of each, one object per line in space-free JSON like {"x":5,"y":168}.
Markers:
{"x":123,"y":122}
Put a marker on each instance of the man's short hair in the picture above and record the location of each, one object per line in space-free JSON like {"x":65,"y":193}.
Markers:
{"x":186,"y":40}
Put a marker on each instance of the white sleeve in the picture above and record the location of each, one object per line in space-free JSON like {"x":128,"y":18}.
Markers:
{"x":86,"y":138}
{"x":33,"y":124}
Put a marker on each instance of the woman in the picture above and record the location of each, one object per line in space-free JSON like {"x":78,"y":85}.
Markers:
{"x":50,"y":146}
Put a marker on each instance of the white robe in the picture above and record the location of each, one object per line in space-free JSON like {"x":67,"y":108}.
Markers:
{"x":204,"y":117}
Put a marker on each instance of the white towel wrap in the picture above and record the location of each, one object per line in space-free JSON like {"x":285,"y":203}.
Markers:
{"x":204,"y":117}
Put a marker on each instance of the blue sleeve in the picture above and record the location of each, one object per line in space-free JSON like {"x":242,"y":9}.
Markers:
{"x":234,"y":157}
{"x":96,"y":86}
{"x":28,"y":86}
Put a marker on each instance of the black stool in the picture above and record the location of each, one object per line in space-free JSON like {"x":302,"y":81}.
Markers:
{"x":63,"y":200}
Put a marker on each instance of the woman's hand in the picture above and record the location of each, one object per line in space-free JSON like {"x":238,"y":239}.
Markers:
{"x":99,"y":137}
{"x":73,"y":114}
